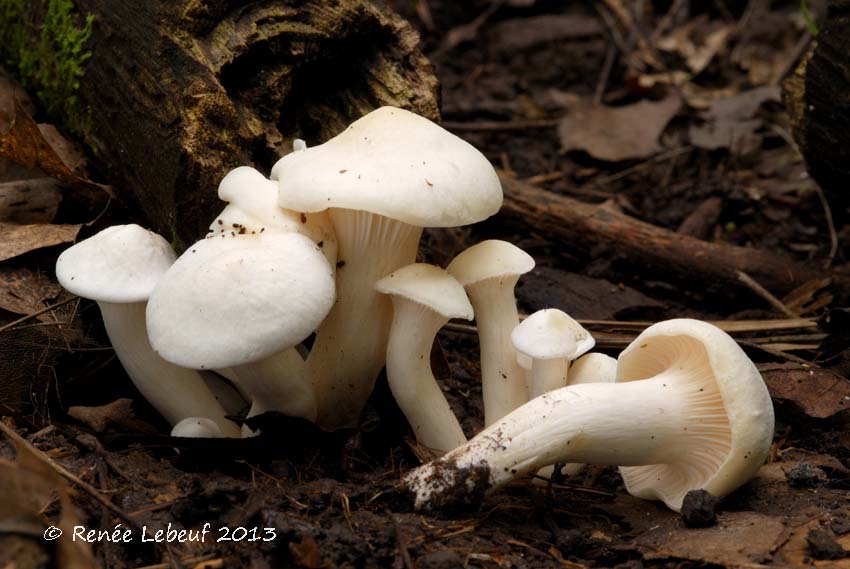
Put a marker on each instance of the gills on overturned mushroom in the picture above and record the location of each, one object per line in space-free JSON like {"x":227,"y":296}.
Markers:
{"x":689,"y":411}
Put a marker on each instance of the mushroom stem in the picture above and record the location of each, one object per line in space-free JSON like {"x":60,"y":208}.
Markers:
{"x":351,"y":343}
{"x":176,"y":392}
{"x":635,"y":423}
{"x":411,"y":380}
{"x":278,"y":383}
{"x":547,"y":375}
{"x":503,"y":383}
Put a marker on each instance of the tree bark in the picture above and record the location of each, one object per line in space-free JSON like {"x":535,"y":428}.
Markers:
{"x":181,"y":91}
{"x":815,"y":95}
{"x":598,"y":230}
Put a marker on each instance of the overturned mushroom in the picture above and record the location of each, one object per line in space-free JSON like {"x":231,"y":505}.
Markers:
{"x":382,"y":180}
{"x":118,"y":268}
{"x":424,"y":297}
{"x":690,"y":411}
{"x":489,"y":272}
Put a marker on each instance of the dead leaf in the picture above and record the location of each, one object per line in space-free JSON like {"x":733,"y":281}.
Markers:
{"x":29,"y":200}
{"x":25,"y":144}
{"x":696,"y":51}
{"x":755,"y":537}
{"x":523,"y":33}
{"x":738,"y":136}
{"x":744,"y":104}
{"x":99,"y":418}
{"x":617,"y":133}
{"x":20,"y":239}
{"x":23,"y":291}
{"x":10,"y":90}
{"x":819,"y":393}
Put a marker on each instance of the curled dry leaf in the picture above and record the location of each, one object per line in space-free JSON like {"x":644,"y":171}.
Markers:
{"x":99,"y":418}
{"x":818,"y":392}
{"x":20,"y":239}
{"x":617,"y":133}
{"x":25,"y":144}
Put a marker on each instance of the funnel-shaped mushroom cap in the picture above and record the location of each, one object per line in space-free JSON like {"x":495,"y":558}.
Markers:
{"x":397,"y":164}
{"x":197,"y":428}
{"x":227,"y":302}
{"x":429,"y":286}
{"x":121,"y":264}
{"x":724,"y":398}
{"x":550,"y":333}
{"x":489,"y":259}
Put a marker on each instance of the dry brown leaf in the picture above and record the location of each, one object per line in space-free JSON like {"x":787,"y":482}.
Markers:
{"x":23,"y":291}
{"x":738,"y":136}
{"x":306,"y":554}
{"x":20,"y":239}
{"x":743,"y":105}
{"x":818,"y":392}
{"x":10,"y":90}
{"x":617,"y":133}
{"x":25,"y":144}
{"x":33,"y":200}
{"x":697,"y":53}
{"x":98,"y":418}
{"x":522,"y":33}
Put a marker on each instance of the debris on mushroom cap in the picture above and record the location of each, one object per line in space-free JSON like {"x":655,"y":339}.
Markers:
{"x":196,"y":428}
{"x":489,"y":259}
{"x":430,"y":286}
{"x":230,"y":301}
{"x":394,"y":163}
{"x":739,"y":437}
{"x":120,"y":264}
{"x":549,"y":334}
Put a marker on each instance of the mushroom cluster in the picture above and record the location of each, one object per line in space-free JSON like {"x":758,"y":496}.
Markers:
{"x":326,"y":247}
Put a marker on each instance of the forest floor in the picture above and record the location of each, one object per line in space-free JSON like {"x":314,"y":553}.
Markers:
{"x":672,"y":116}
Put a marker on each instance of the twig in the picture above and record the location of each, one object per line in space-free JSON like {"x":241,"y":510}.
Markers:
{"x":402,"y":543}
{"x":643,"y":165}
{"x":14,"y":323}
{"x":61,"y":471}
{"x":607,"y":64}
{"x":765,"y":294}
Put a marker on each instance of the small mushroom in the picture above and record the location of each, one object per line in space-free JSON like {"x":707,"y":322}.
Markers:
{"x":383,"y":179}
{"x":552,"y":340}
{"x":118,"y":268}
{"x":489,"y":272}
{"x":689,"y":411}
{"x":196,"y":428}
{"x":424,"y":298}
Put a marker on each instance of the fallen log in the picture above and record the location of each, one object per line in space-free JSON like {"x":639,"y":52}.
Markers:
{"x":600,"y":230}
{"x":173,"y":94}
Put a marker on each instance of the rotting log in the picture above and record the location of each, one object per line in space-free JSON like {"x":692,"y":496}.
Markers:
{"x":815,"y":95}
{"x":601,"y":230}
{"x":177,"y":92}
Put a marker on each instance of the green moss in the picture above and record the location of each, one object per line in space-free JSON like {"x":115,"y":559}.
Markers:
{"x":45,"y":45}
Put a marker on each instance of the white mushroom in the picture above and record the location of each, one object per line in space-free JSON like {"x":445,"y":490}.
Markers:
{"x":382,"y":180}
{"x":489,"y":272}
{"x":228,"y":302}
{"x":690,"y":411}
{"x":118,"y":268}
{"x":552,"y":340}
{"x":196,"y":428}
{"x":424,"y":298}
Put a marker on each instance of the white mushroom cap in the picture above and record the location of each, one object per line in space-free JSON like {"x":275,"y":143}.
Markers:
{"x":397,"y":164}
{"x":429,"y":286}
{"x":489,"y":259}
{"x":197,"y":428}
{"x":227,"y":302}
{"x":741,"y":431}
{"x":120,"y":264}
{"x":548,"y":334}
{"x":593,"y":368}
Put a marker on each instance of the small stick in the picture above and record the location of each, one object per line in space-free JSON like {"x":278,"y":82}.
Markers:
{"x":14,"y":323}
{"x":765,"y":294}
{"x":500,"y":125}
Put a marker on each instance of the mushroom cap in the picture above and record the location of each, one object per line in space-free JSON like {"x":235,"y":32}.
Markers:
{"x":235,"y":300}
{"x":550,"y":333}
{"x":397,"y":164}
{"x":489,"y":259}
{"x":253,"y":209}
{"x":593,"y":368}
{"x":732,"y":449}
{"x":197,"y":428}
{"x":429,"y":286}
{"x":121,"y":264}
